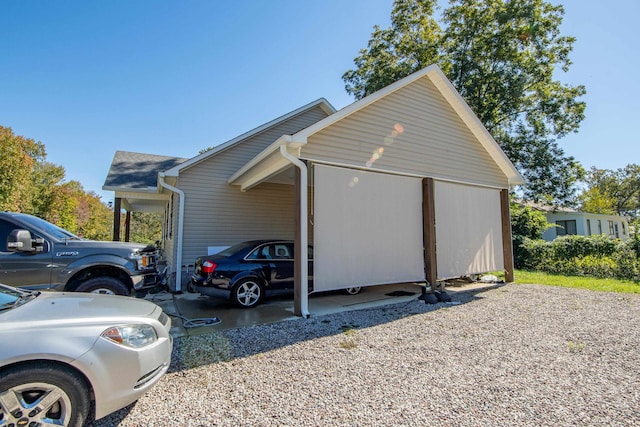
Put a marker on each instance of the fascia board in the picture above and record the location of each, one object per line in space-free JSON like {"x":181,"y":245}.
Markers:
{"x":475,"y":126}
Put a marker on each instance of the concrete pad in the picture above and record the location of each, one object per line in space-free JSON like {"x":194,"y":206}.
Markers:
{"x":193,"y":314}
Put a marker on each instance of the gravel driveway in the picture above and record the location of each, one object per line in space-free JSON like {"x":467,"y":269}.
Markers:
{"x":517,"y":355}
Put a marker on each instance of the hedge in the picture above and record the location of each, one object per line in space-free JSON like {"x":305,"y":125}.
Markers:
{"x":596,"y":256}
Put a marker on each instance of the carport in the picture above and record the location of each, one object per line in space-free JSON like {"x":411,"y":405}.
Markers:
{"x":405,"y":185}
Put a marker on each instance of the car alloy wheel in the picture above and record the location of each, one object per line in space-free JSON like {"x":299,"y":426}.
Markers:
{"x":247,"y":293}
{"x":353,"y":290}
{"x":43,"y":395}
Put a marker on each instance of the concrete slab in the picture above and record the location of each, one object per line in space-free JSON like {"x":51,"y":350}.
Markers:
{"x":193,"y":314}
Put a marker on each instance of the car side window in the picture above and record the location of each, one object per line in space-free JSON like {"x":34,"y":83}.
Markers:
{"x":6,"y":228}
{"x":282,"y":251}
{"x":263,"y":252}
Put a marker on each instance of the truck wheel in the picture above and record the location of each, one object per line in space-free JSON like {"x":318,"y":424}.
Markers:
{"x":42,"y":394}
{"x":104,"y":285}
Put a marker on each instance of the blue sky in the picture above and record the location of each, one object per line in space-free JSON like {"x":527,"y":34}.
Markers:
{"x":174,"y":77}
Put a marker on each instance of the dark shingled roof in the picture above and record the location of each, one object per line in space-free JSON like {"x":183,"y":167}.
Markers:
{"x":137,"y":171}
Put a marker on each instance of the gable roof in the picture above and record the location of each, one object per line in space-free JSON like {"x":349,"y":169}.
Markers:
{"x":321,"y":102}
{"x":443,"y":85}
{"x":137,"y":171}
{"x":454,"y":99}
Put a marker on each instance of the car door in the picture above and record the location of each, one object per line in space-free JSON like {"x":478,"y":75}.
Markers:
{"x":283,"y":268}
{"x":24,"y":269}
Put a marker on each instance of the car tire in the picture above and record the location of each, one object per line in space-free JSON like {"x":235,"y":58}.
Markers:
{"x":104,"y":285}
{"x":355,"y":290}
{"x":247,"y":293}
{"x":23,"y":388}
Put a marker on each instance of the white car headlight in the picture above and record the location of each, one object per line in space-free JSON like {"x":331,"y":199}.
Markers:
{"x":135,"y":336}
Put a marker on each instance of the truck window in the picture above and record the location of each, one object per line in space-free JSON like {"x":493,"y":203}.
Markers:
{"x":5,"y":228}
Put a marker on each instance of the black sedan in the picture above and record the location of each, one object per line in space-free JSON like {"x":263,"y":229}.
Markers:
{"x":246,"y":271}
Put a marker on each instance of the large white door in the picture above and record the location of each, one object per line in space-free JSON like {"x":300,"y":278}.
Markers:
{"x":367,"y":228}
{"x":468,"y":230}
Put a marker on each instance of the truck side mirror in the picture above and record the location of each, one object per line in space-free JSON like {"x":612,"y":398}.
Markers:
{"x":22,"y":241}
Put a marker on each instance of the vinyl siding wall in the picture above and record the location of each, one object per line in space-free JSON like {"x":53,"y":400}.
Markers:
{"x":217,"y":214}
{"x":419,"y":134}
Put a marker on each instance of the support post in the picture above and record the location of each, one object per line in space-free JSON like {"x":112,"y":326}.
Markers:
{"x":297,"y":277}
{"x":429,"y":232}
{"x":127,"y":227}
{"x":507,"y":241}
{"x":116,"y":219}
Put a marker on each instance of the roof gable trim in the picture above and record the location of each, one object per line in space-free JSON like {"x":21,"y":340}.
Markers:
{"x":321,"y":102}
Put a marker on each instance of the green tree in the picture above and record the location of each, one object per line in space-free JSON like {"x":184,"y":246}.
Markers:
{"x":18,"y":157}
{"x":593,"y":200}
{"x":146,"y":227}
{"x":528,"y":222}
{"x":501,"y":56}
{"x":620,"y":187}
{"x":30,"y":184}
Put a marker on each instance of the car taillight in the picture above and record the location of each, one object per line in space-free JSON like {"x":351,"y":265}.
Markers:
{"x":208,"y":267}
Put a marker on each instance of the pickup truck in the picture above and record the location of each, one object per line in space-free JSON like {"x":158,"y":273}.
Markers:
{"x":36,"y":254}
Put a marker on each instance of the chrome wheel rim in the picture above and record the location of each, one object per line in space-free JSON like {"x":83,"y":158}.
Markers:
{"x":248,"y":293}
{"x":354,"y":290}
{"x":39,"y":403}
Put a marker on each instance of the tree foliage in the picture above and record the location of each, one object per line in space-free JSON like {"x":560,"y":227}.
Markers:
{"x":30,"y":184}
{"x":613,"y":191}
{"x":146,"y":227}
{"x":501,"y":56}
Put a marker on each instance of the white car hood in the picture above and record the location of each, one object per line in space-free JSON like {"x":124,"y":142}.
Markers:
{"x":79,"y":308}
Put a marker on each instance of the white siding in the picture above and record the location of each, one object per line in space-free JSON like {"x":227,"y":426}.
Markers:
{"x":414,"y":131}
{"x":217,"y":214}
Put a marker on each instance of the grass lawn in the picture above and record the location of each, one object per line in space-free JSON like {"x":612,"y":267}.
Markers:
{"x":605,"y":285}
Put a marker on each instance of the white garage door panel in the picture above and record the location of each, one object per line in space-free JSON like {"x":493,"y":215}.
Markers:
{"x":468,"y":230}
{"x":367,"y":228}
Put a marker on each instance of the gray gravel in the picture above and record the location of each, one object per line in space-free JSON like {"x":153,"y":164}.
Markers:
{"x":518,"y":355}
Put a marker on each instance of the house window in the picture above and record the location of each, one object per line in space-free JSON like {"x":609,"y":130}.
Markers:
{"x":566,"y":227}
{"x":588,"y":227}
{"x":599,"y":226}
{"x":611,"y":228}
{"x":624,"y":229}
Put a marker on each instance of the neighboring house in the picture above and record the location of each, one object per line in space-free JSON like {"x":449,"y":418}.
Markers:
{"x":405,"y":185}
{"x":585,"y":224}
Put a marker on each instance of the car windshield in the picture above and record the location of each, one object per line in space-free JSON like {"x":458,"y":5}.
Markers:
{"x":48,"y":228}
{"x":11,"y":297}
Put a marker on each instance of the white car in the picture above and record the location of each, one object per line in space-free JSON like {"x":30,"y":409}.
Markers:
{"x":61,"y":352}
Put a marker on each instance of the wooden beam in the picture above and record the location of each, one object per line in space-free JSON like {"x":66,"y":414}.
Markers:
{"x":127,"y":226}
{"x":297,"y":256}
{"x":507,"y":241}
{"x":116,"y":219}
{"x":429,"y":232}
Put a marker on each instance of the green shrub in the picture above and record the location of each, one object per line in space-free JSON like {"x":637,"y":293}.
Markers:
{"x":596,"y":266}
{"x":595,"y":256}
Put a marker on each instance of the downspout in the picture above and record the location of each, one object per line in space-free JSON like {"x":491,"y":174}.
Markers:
{"x":180,"y":230}
{"x":304,"y":238}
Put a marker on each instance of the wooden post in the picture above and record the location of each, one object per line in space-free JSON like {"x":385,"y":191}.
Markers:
{"x":297,"y":256}
{"x":127,"y":226}
{"x":116,"y":219}
{"x":429,"y":232}
{"x":507,"y":242}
